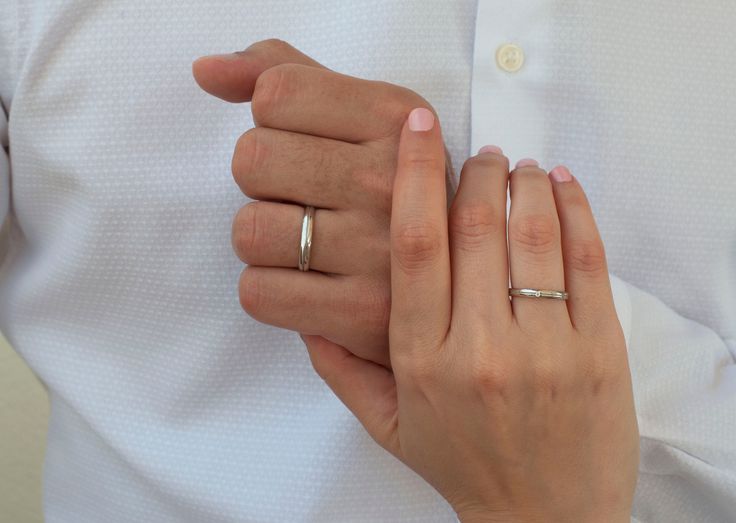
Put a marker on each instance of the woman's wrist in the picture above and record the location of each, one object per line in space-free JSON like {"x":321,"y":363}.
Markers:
{"x":480,"y":515}
{"x":477,"y":513}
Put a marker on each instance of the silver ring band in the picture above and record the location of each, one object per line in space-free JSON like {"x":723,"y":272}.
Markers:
{"x":305,"y":244}
{"x":539,"y":293}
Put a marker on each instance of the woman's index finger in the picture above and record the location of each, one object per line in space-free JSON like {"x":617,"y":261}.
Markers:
{"x":420,"y":260}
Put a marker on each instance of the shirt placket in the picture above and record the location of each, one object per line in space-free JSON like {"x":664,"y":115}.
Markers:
{"x":510,"y":64}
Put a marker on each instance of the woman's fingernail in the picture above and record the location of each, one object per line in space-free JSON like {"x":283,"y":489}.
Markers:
{"x":561,"y":174}
{"x":490,"y":149}
{"x":527,"y":162}
{"x":421,"y":119}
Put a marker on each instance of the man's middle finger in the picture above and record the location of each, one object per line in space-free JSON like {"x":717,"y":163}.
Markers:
{"x":272,"y":164}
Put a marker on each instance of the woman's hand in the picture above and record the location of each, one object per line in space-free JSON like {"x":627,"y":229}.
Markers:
{"x":514,"y":410}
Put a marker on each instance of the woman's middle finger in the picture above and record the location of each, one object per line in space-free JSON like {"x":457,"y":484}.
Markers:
{"x":477,"y":225}
{"x":535,"y":250}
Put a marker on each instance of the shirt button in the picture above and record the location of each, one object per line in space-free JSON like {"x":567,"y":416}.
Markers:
{"x":510,"y":57}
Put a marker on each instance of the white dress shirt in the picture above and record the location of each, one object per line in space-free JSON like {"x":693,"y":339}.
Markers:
{"x":119,"y":286}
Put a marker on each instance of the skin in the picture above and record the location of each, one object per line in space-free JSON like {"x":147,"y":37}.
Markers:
{"x":513,"y":410}
{"x":303,"y":151}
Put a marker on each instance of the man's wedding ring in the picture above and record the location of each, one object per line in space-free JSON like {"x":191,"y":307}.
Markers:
{"x":305,"y":244}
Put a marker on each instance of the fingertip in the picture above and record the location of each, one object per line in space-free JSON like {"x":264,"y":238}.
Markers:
{"x":421,"y":146}
{"x":526,"y":162}
{"x":197,"y":70}
{"x":225,"y":76}
{"x":495,"y":149}
{"x":489,"y":161}
{"x":566,"y":188}
{"x":560,"y":174}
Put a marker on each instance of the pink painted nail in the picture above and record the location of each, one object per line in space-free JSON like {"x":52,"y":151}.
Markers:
{"x":561,"y":174}
{"x":527,"y":162}
{"x":490,"y":149}
{"x":421,"y":119}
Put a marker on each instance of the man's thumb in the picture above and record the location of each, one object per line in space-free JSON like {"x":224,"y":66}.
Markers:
{"x":367,"y":389}
{"x":233,"y":76}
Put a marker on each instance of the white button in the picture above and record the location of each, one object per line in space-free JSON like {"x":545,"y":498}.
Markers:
{"x":510,"y":57}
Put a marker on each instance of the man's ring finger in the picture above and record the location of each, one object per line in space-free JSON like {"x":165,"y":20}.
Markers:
{"x":305,"y":243}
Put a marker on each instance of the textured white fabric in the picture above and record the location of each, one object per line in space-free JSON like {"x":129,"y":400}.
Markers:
{"x":119,"y":286}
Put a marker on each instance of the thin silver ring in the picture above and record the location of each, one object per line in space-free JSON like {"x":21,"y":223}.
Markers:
{"x":305,"y":244}
{"x":538,"y":293}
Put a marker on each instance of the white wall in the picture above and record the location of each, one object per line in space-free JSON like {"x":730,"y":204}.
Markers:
{"x":23,"y":422}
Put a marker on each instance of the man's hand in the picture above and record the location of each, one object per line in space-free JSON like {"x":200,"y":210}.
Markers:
{"x":323,"y":139}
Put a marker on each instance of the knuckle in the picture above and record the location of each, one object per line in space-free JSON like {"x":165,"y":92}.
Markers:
{"x":410,"y":98}
{"x":490,"y":377}
{"x":422,"y":351}
{"x":248,"y":231}
{"x":393,"y":104}
{"x":372,"y":306}
{"x":375,"y":179}
{"x":379,"y":308}
{"x":271,"y":87}
{"x":536,"y":233}
{"x":422,"y":373}
{"x":603,"y":374}
{"x":378,"y":184}
{"x":271,"y":45}
{"x":548,"y":378}
{"x":473,"y":223}
{"x":587,"y":257}
{"x":250,"y":293}
{"x":381,"y":249}
{"x":417,"y":245}
{"x":598,"y":379}
{"x":249,"y":160}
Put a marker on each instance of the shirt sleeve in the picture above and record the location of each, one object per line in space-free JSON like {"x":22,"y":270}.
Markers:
{"x":684,"y":378}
